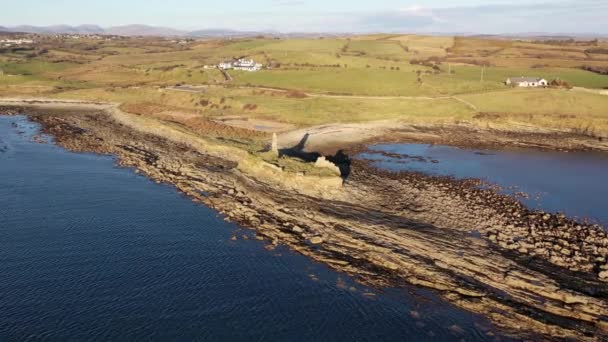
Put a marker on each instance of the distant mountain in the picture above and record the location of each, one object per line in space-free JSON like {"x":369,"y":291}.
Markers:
{"x":224,"y":33}
{"x":144,"y":30}
{"x":147,"y":30}
{"x":127,"y":30}
{"x":131,"y":30}
{"x":82,"y":29}
{"x":212,"y":33}
{"x":90,"y":29}
{"x":27,"y":29}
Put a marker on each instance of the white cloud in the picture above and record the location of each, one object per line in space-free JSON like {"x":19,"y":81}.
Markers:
{"x":417,"y":10}
{"x":289,"y":2}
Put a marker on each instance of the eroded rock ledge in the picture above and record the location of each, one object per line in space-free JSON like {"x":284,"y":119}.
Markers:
{"x":479,"y":250}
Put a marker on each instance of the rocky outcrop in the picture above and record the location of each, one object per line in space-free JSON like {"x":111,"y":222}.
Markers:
{"x":322,"y":162}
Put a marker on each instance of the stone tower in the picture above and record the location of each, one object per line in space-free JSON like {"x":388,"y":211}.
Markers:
{"x":275,"y":144}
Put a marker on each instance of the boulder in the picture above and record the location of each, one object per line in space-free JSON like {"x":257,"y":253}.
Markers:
{"x":322,"y":162}
{"x":316,"y":240}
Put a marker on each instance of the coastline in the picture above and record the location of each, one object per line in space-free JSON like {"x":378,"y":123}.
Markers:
{"x":384,"y":229}
{"x":355,"y":137}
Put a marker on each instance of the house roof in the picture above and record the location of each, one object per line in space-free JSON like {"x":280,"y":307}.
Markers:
{"x":525,"y":79}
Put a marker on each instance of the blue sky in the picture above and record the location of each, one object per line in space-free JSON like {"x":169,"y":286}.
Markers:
{"x":474,"y":16}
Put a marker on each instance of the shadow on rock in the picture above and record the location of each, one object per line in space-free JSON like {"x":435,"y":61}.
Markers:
{"x":340,"y":159}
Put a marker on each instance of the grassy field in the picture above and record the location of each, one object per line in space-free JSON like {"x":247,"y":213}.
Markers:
{"x":467,"y":78}
{"x":552,"y":108}
{"x":280,"y":107}
{"x":139,"y":73}
{"x":526,"y":54}
{"x":556,"y":102}
{"x":382,"y":49}
{"x":340,"y":81}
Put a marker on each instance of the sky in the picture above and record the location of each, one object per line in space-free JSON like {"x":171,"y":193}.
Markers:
{"x":431,"y":16}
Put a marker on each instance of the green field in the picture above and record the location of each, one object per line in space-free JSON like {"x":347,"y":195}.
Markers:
{"x":351,"y":79}
{"x":494,"y":77}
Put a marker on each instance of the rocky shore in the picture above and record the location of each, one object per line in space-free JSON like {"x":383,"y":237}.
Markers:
{"x":535,"y":275}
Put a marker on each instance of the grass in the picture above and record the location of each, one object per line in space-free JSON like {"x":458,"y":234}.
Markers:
{"x":276,"y":106}
{"x":525,"y":54}
{"x":542,"y":101}
{"x":353,"y":81}
{"x":38,"y":68}
{"x":132,"y":71}
{"x":307,"y":45}
{"x":316,"y":111}
{"x":467,"y":79}
{"x":553,"y":108}
{"x":425,"y":46}
{"x":379,"y":49}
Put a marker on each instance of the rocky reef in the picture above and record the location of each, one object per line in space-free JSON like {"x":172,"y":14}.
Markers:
{"x":535,"y":275}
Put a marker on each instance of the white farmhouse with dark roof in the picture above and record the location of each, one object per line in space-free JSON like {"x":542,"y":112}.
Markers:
{"x":247,"y":65}
{"x":527,"y":82}
{"x":241,"y":64}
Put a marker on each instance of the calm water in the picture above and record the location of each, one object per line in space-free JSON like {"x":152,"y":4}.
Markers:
{"x":93,"y":252}
{"x":573,"y":183}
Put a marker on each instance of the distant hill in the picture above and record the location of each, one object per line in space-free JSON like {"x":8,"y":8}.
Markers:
{"x":82,"y":29}
{"x":127,"y":30}
{"x":214,"y":33}
{"x":148,"y":30}
{"x":131,"y":30}
{"x":90,"y":29}
{"x":144,"y":30}
{"x":218,"y":33}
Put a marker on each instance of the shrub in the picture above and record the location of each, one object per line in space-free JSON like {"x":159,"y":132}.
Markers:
{"x":602,"y":51}
{"x":557,"y":83}
{"x":295,"y":94}
{"x":596,"y":69}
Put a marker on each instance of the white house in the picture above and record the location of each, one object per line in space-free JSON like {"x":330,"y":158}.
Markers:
{"x":11,"y":42}
{"x":225,"y":65}
{"x":241,"y":64}
{"x":247,"y":65}
{"x":527,"y":82}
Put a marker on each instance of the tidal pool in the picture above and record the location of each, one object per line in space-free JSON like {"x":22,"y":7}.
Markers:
{"x":573,"y":183}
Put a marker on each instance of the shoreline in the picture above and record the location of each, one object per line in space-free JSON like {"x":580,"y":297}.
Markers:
{"x":356,"y":137}
{"x":330,"y":138}
{"x":384,"y":229}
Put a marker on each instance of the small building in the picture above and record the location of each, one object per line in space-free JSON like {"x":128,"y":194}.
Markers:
{"x":225,"y":65}
{"x":526,"y":82}
{"x":247,"y":65}
{"x":11,"y":42}
{"x":241,"y":64}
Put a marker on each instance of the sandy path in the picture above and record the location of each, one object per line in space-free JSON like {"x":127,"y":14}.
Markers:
{"x":56,"y":103}
{"x":334,"y":136}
